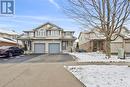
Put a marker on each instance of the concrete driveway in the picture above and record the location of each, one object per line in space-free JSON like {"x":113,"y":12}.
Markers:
{"x":36,"y":75}
{"x":46,"y":58}
{"x":39,"y":71}
{"x":51,"y":58}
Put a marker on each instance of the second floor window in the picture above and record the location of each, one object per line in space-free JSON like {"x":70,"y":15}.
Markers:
{"x":42,"y":33}
{"x":49,"y":33}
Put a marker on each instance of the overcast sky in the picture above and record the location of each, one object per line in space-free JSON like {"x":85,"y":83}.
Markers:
{"x":31,"y":13}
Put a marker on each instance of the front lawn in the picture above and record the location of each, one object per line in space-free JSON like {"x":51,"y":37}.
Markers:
{"x":97,"y":57}
{"x":102,"y":75}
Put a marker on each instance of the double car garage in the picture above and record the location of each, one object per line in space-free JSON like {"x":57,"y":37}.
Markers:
{"x":52,"y":48}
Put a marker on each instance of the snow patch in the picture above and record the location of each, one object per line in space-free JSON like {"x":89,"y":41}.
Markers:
{"x":102,"y":75}
{"x":96,"y":57}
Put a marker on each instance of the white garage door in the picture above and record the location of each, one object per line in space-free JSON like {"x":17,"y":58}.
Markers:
{"x":115,"y":47}
{"x":39,"y":47}
{"x":54,"y":48}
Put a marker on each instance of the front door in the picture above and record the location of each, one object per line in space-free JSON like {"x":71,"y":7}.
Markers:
{"x":97,"y":45}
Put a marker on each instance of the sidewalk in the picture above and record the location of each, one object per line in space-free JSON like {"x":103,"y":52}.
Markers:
{"x":36,"y":75}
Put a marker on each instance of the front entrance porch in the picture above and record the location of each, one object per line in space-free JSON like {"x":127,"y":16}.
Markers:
{"x":97,"y":45}
{"x":66,"y":45}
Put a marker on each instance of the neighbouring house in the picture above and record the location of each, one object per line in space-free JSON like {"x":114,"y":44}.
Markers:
{"x":94,"y":40}
{"x":48,"y":38}
{"x":74,"y":48}
{"x":8,"y":38}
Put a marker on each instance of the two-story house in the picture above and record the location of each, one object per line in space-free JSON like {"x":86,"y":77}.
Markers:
{"x":93,"y":41}
{"x":48,"y":38}
{"x":8,"y":38}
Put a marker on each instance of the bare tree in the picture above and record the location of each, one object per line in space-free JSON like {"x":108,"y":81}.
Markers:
{"x":108,"y":16}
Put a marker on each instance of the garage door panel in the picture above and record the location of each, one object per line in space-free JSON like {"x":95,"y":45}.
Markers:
{"x":115,"y":47}
{"x":54,"y":48}
{"x":39,"y":47}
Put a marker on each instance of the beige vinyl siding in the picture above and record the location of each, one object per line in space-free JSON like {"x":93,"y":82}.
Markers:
{"x":127,"y":47}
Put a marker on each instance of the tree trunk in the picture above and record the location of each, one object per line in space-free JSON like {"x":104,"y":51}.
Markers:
{"x":108,"y":48}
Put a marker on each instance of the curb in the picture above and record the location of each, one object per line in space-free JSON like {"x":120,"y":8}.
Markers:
{"x":103,"y":63}
{"x":74,"y":76}
{"x":74,"y":57}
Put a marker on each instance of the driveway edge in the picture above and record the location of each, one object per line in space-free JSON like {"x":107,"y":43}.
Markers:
{"x":74,"y":57}
{"x":74,"y":76}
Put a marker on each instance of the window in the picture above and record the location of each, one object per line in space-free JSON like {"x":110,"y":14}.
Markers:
{"x":44,"y":33}
{"x":49,"y":32}
{"x":52,"y":33}
{"x":37,"y":33}
{"x":57,"y":33}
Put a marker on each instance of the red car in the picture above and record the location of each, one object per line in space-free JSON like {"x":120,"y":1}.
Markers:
{"x":10,"y":51}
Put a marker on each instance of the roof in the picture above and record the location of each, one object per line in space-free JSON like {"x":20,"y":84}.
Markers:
{"x":124,"y":35}
{"x":80,"y":34}
{"x":84,"y":32}
{"x":48,"y":23}
{"x":5,"y":31}
{"x":70,"y":31}
{"x":28,"y":31}
{"x":127,"y":36}
{"x":98,"y":37}
{"x":57,"y":28}
{"x":8,"y":40}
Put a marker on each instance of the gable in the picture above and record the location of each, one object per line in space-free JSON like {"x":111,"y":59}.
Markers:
{"x":48,"y":26}
{"x":82,"y":37}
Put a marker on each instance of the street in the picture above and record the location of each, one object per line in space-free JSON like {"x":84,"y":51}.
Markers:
{"x":17,"y":59}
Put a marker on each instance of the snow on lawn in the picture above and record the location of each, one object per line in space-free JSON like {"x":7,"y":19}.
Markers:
{"x":96,"y":57}
{"x":102,"y":75}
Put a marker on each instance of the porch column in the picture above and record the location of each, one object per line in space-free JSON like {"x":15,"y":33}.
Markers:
{"x":91,"y":46}
{"x":98,"y":45}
